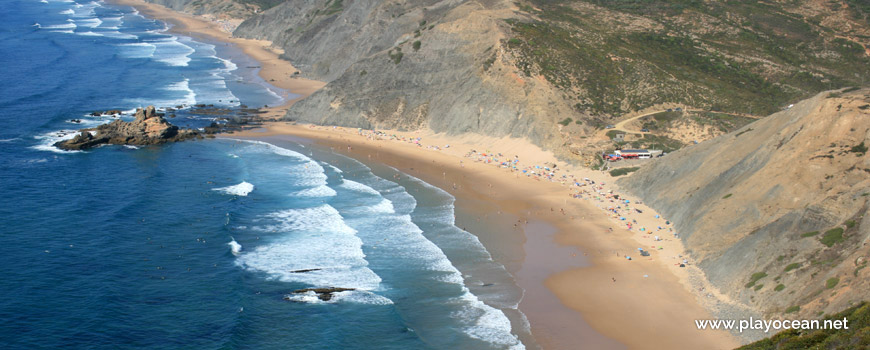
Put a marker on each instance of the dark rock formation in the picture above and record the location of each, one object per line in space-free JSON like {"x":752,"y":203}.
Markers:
{"x":304,"y":270}
{"x":324,"y":294}
{"x":149,"y":128}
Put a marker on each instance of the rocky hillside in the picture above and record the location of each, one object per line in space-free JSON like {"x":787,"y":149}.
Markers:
{"x":552,"y":71}
{"x":775,"y":212}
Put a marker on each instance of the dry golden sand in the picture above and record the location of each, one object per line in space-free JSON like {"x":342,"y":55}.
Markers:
{"x":653,"y":312}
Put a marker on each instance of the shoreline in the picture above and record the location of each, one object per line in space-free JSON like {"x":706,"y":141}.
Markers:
{"x":274,"y":70}
{"x":609,"y":302}
{"x":647,"y":306}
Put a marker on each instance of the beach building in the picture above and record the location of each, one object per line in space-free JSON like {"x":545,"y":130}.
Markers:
{"x":634,"y":153}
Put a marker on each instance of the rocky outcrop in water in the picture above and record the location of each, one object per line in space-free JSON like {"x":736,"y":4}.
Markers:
{"x":324,"y":294}
{"x":148,"y":128}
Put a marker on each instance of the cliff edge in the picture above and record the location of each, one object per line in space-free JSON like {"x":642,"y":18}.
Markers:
{"x":775,"y":212}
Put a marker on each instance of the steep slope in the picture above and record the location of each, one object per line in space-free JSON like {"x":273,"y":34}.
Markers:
{"x":775,"y":212}
{"x":552,"y":71}
{"x":409,"y":65}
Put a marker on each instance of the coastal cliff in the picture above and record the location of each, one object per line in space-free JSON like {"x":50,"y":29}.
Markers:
{"x":775,"y":213}
{"x":554,"y":73}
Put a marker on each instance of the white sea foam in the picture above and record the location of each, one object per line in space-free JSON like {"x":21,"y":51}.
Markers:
{"x":172,"y":52}
{"x":112,"y":22}
{"x":315,"y":238}
{"x":241,"y":189}
{"x":358,"y":187}
{"x":137,"y":50}
{"x":480,"y":321}
{"x":47,"y":140}
{"x":89,"y":22}
{"x":235,"y":247}
{"x":88,"y":33}
{"x":319,"y":191}
{"x":68,"y":25}
{"x":183,"y":86}
{"x":229,"y":66}
{"x":353,"y":296}
{"x":67,"y":12}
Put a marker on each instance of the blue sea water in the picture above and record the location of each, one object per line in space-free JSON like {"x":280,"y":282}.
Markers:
{"x":196,"y":245}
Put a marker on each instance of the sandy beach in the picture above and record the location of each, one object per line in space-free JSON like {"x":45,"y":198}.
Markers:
{"x":642,"y":303}
{"x":568,"y":247}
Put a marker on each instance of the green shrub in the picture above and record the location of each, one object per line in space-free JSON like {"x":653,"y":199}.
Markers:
{"x":566,"y":121}
{"x":779,"y":287}
{"x":832,"y":282}
{"x":623,"y":171}
{"x":758,"y":286}
{"x":859,"y":148}
{"x":754,"y":278}
{"x":792,"y":309}
{"x":396,"y":55}
{"x":792,"y":266}
{"x":416,"y":45}
{"x":832,"y":236}
{"x":809,"y":234}
{"x":726,"y":196}
{"x":850,"y":223}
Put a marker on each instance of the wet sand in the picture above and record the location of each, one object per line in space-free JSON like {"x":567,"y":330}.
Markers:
{"x":580,"y":291}
{"x":572,"y":299}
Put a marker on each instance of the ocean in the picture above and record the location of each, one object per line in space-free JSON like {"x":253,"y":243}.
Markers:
{"x":200,"y":245}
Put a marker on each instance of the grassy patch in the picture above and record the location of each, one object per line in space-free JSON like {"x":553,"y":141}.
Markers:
{"x":792,"y":266}
{"x":779,"y":287}
{"x":754,"y":278}
{"x":809,"y":234}
{"x":622,"y":171}
{"x":726,"y":196}
{"x":793,"y":309}
{"x":758,"y":286}
{"x":850,"y":223}
{"x":832,"y":236}
{"x":832,"y":282}
{"x":567,"y":121}
{"x":396,"y":55}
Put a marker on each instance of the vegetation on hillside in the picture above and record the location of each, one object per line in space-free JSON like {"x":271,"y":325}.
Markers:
{"x":856,"y":337}
{"x":615,"y":56}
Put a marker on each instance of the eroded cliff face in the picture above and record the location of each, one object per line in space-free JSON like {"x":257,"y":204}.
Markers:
{"x":410,"y":65}
{"x":775,"y":212}
{"x":223,"y":8}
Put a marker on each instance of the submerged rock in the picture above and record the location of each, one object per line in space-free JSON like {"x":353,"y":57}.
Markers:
{"x":148,"y":128}
{"x":324,"y":294}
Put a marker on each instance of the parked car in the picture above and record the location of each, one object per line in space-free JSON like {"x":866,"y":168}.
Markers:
{"x":610,"y":126}
{"x":644,"y":130}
